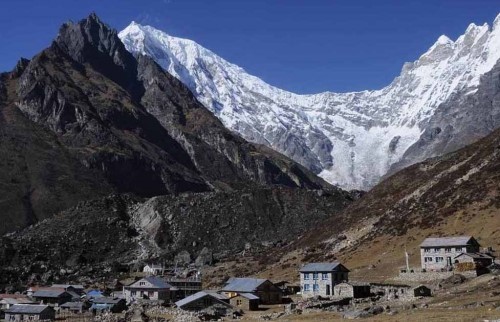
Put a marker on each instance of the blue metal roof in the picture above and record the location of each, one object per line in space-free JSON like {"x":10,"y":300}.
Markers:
{"x":243,"y":284}
{"x":323,"y":267}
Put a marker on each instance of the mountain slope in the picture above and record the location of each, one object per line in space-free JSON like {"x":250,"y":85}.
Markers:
{"x":117,"y":123}
{"x":350,"y":139}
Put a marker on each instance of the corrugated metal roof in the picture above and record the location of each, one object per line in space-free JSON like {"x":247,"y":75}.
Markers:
{"x":72,"y":305}
{"x":476,"y":255}
{"x":446,"y":241}
{"x":106,"y":300}
{"x":75,"y":286}
{"x":249,"y":296}
{"x":49,"y":293}
{"x":243,"y":284}
{"x":198,"y":296}
{"x":26,"y":309}
{"x":321,"y":267}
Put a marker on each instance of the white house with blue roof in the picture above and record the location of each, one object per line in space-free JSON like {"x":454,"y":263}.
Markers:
{"x":318,"y":279}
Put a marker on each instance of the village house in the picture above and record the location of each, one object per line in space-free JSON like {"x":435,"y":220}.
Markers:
{"x":53,"y":297}
{"x":473,"y":261}
{"x":267,"y":292}
{"x":245,"y":302}
{"x":185,"y":286}
{"x":351,"y":290}
{"x":202,"y":300}
{"x":320,"y":278}
{"x":153,"y":269}
{"x":76,"y":288}
{"x":108,"y":304}
{"x":26,"y":312}
{"x":151,"y":288}
{"x":439,"y":253}
{"x":72,"y":307}
{"x":8,"y":300}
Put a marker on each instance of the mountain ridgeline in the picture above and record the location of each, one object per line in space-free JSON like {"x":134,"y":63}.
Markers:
{"x":85,"y":118}
{"x":349,"y":139}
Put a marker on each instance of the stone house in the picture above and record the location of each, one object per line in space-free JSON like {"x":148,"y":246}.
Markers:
{"x":52,"y":296}
{"x":478,"y":260}
{"x":438,"y":253}
{"x":151,"y":288}
{"x":351,"y":290}
{"x":422,"y":291}
{"x":265,"y":290}
{"x":392,"y":292}
{"x":72,"y":307}
{"x":185,"y":286}
{"x":154,"y":269}
{"x":108,"y":304}
{"x":318,"y":279}
{"x":27,"y":312}
{"x":202,"y":300}
{"x":245,"y":302}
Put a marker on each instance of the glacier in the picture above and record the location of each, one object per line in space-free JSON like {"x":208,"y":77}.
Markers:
{"x":349,"y":139}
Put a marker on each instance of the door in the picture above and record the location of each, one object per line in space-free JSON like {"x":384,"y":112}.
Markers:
{"x":328,"y":290}
{"x":448,"y":261}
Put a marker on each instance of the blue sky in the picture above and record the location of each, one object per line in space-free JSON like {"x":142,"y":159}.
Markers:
{"x":303,"y":46}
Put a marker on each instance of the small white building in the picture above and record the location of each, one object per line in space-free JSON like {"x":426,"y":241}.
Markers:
{"x":154,"y":269}
{"x":318,"y":279}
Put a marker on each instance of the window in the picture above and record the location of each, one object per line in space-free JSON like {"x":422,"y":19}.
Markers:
{"x":447,"y":249}
{"x":238,"y":302}
{"x":133,"y":293}
{"x":306,"y":276}
{"x":427,"y":250}
{"x":436,"y":250}
{"x":144,"y":283}
{"x":151,"y":294}
{"x":427,"y":259}
{"x":315,"y":288}
{"x":439,"y":259}
{"x":315,"y":276}
{"x":306,"y":288}
{"x":324,"y":276}
{"x":458,"y":249}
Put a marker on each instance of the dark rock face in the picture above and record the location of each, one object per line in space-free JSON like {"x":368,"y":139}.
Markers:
{"x":460,"y":121}
{"x":98,"y":120}
{"x":119,"y":230}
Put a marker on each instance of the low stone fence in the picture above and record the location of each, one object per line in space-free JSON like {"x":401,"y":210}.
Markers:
{"x":430,"y":276}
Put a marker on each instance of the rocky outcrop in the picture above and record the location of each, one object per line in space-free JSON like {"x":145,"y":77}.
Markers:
{"x":124,"y":125}
{"x":111,"y":234}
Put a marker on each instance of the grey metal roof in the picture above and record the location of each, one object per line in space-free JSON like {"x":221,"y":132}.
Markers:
{"x":26,"y":309}
{"x":476,"y":255}
{"x":49,"y":293}
{"x":12,"y":301}
{"x":446,"y":241}
{"x":215,"y":294}
{"x":75,"y":286}
{"x":198,"y":296}
{"x":321,"y":267}
{"x":249,"y":296}
{"x":243,"y":284}
{"x":106,"y":300}
{"x":72,"y":305}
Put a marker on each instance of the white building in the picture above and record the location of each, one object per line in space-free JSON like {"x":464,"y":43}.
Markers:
{"x":151,"y":288}
{"x":154,"y":269}
{"x":320,"y":278}
{"x":438,"y":253}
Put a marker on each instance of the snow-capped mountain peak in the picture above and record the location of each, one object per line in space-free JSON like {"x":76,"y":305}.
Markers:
{"x":350,"y":139}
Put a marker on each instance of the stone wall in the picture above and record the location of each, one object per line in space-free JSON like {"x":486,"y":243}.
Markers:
{"x":430,"y":276}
